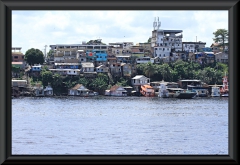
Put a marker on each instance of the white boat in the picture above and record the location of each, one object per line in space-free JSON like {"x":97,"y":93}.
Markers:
{"x":215,"y":92}
{"x":163,"y":92}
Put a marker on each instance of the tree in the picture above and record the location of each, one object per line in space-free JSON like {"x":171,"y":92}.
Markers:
{"x":46,"y":77}
{"x":221,"y":37}
{"x":149,"y":69}
{"x":34,"y":56}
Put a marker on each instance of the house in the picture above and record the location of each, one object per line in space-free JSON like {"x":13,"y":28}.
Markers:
{"x":144,"y":60}
{"x":88,"y":69}
{"x":115,"y":69}
{"x":35,"y":70}
{"x":67,"y":66}
{"x":65,"y":72}
{"x":78,"y":90}
{"x":111,"y":59}
{"x":139,"y":80}
{"x":102,"y":69}
{"x":116,"y":91}
{"x":48,"y":91}
{"x":38,"y":90}
{"x":221,"y":57}
{"x":126,"y":69}
{"x":123,"y":59}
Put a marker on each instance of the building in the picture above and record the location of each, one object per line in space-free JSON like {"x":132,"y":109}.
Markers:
{"x":221,"y":57}
{"x":193,"y":47}
{"x":78,"y":90}
{"x":165,"y":42}
{"x":121,"y":48}
{"x":116,"y":91}
{"x":63,"y":52}
{"x":102,"y":69}
{"x":139,"y":80}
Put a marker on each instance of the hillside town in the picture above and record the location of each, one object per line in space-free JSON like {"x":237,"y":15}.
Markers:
{"x":83,"y":64}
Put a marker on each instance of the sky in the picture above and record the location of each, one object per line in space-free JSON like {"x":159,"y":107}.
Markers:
{"x":37,"y":28}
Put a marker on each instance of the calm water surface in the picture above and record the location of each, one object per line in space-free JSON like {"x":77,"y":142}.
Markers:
{"x":115,"y":125}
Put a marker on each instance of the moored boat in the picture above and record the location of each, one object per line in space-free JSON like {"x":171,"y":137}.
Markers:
{"x":147,"y":90}
{"x":224,"y":89}
{"x":215,"y":91}
{"x":181,"y":93}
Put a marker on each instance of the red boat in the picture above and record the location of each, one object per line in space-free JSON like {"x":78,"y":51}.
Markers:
{"x":224,"y":89}
{"x":147,"y":90}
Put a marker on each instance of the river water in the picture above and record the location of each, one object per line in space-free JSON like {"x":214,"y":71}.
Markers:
{"x":119,"y":125}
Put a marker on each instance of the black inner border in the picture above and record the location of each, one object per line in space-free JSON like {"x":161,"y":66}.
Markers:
{"x":6,"y":6}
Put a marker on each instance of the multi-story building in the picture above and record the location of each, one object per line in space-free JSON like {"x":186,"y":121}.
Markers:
{"x":70,"y":51}
{"x":18,"y":58}
{"x":193,"y":47}
{"x":165,"y":42}
{"x":121,"y":48}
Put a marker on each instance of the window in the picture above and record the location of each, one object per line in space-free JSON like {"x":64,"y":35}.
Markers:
{"x":164,"y":55}
{"x":16,"y":57}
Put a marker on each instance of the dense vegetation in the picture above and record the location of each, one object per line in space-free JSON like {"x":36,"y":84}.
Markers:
{"x":210,"y":73}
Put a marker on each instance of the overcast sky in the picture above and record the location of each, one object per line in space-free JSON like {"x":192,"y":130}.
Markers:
{"x":35,"y":29}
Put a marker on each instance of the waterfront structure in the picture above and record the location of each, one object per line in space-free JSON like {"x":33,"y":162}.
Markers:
{"x":215,"y":91}
{"x":147,"y":91}
{"x":163,"y":92}
{"x":196,"y":86}
{"x":78,"y":90}
{"x":139,"y":80}
{"x":48,"y":91}
{"x":116,"y":91}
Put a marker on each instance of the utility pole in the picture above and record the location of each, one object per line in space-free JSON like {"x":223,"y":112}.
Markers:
{"x":45,"y":51}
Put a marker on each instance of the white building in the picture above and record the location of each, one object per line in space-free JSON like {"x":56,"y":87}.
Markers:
{"x":165,"y":42}
{"x":193,"y":47}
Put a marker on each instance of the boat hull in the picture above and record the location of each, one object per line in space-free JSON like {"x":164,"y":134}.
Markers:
{"x":187,"y":95}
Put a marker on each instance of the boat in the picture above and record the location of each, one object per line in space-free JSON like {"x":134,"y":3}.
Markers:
{"x":224,"y":89}
{"x":181,"y":93}
{"x":147,"y":90}
{"x":163,"y":92}
{"x":195,"y":86}
{"x":200,"y":90}
{"x":215,"y":91}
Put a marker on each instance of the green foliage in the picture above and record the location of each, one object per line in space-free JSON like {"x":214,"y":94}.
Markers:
{"x":175,"y":71}
{"x":122,"y":82}
{"x":83,"y":81}
{"x":34,"y":56}
{"x":221,"y":37}
{"x":15,"y":69}
{"x":47,"y":77}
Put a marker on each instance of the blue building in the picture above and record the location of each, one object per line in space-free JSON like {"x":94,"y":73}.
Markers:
{"x":207,"y":49}
{"x":96,"y":55}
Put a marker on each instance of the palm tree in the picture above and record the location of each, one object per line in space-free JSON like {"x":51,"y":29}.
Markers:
{"x":149,"y":69}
